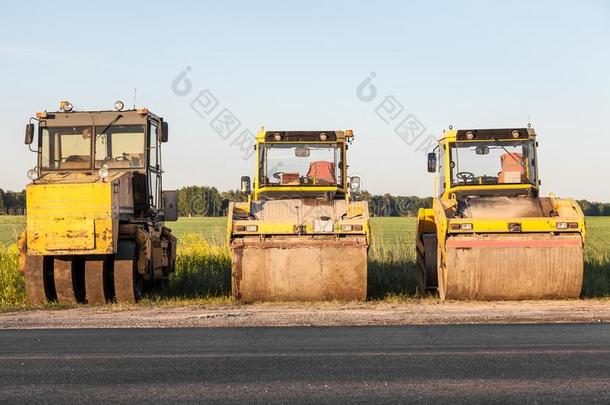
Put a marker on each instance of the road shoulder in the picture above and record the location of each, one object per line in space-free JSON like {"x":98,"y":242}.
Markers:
{"x":425,"y":312}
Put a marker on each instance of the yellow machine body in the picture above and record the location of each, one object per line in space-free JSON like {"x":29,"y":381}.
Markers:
{"x":75,"y":218}
{"x":300,"y":241}
{"x":486,"y":238}
{"x":95,"y":208}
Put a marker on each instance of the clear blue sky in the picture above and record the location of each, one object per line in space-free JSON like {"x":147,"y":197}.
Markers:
{"x":296,"y":65}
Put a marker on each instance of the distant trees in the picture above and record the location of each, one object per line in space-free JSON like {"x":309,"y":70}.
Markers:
{"x":594,"y":209}
{"x":12,"y":202}
{"x":205,"y":201}
{"x":388,"y":205}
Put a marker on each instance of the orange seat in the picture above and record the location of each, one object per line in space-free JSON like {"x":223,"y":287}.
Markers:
{"x":513,"y":170}
{"x":322,"y":171}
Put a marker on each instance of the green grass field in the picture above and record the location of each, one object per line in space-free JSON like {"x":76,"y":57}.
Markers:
{"x":203,"y":265}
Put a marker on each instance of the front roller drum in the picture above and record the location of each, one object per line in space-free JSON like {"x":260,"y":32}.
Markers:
{"x":511,"y":267}
{"x":299,"y":269}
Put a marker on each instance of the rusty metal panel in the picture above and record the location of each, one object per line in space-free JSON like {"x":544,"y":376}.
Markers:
{"x":71,"y":234}
{"x":299,"y":269}
{"x":490,"y":267}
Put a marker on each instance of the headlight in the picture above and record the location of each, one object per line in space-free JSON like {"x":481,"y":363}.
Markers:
{"x":32,"y":174}
{"x":461,"y":227}
{"x":323,"y":136}
{"x":566,"y":225}
{"x":118,"y":105}
{"x":246,"y":228}
{"x":103,"y":172}
{"x":350,"y":227}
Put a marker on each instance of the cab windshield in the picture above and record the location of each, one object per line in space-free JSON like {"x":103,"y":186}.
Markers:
{"x":301,"y":164}
{"x":70,"y":148}
{"x":121,"y":146}
{"x":502,"y":162}
{"x":66,"y":148}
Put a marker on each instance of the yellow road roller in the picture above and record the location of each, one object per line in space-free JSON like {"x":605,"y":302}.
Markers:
{"x":490,"y":235}
{"x":301,"y":236}
{"x":95,"y":206}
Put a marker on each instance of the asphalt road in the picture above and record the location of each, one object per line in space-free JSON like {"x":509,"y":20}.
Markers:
{"x":445,"y":364}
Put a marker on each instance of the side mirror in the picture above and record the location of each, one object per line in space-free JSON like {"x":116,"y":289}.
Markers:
{"x":163,"y":132}
{"x":245,"y":185}
{"x":29,"y":134}
{"x":431,"y":162}
{"x":170,"y":205}
{"x":354,"y":185}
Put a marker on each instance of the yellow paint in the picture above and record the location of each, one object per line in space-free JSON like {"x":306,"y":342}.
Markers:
{"x":291,"y":228}
{"x":354,"y":211}
{"x":425,"y":220}
{"x":70,"y":219}
{"x":527,"y":225}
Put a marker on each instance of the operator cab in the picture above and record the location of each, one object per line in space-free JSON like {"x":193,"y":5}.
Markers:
{"x":301,"y":164}
{"x":100,"y":146}
{"x":486,"y":162}
{"x":87,"y":141}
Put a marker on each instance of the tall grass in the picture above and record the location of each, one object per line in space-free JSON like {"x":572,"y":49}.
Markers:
{"x":596,"y":282}
{"x":203,"y":267}
{"x":12,"y":284}
{"x":392,"y":269}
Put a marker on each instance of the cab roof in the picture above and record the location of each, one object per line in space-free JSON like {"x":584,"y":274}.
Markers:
{"x":304,"y":136}
{"x":488,"y":134}
{"x":88,"y":118}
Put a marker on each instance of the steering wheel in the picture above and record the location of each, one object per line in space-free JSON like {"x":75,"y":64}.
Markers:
{"x":465,"y":176}
{"x":278,"y":175}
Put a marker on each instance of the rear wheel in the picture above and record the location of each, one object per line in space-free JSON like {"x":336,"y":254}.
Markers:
{"x":127,"y":280}
{"x":35,"y":279}
{"x":68,"y":275}
{"x":95,"y":280}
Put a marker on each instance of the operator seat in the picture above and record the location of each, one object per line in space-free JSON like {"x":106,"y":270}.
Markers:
{"x":323,"y":172}
{"x":513,"y":170}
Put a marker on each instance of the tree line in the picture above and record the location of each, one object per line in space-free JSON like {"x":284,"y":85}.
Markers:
{"x":204,"y":201}
{"x":12,"y":202}
{"x":196,"y":201}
